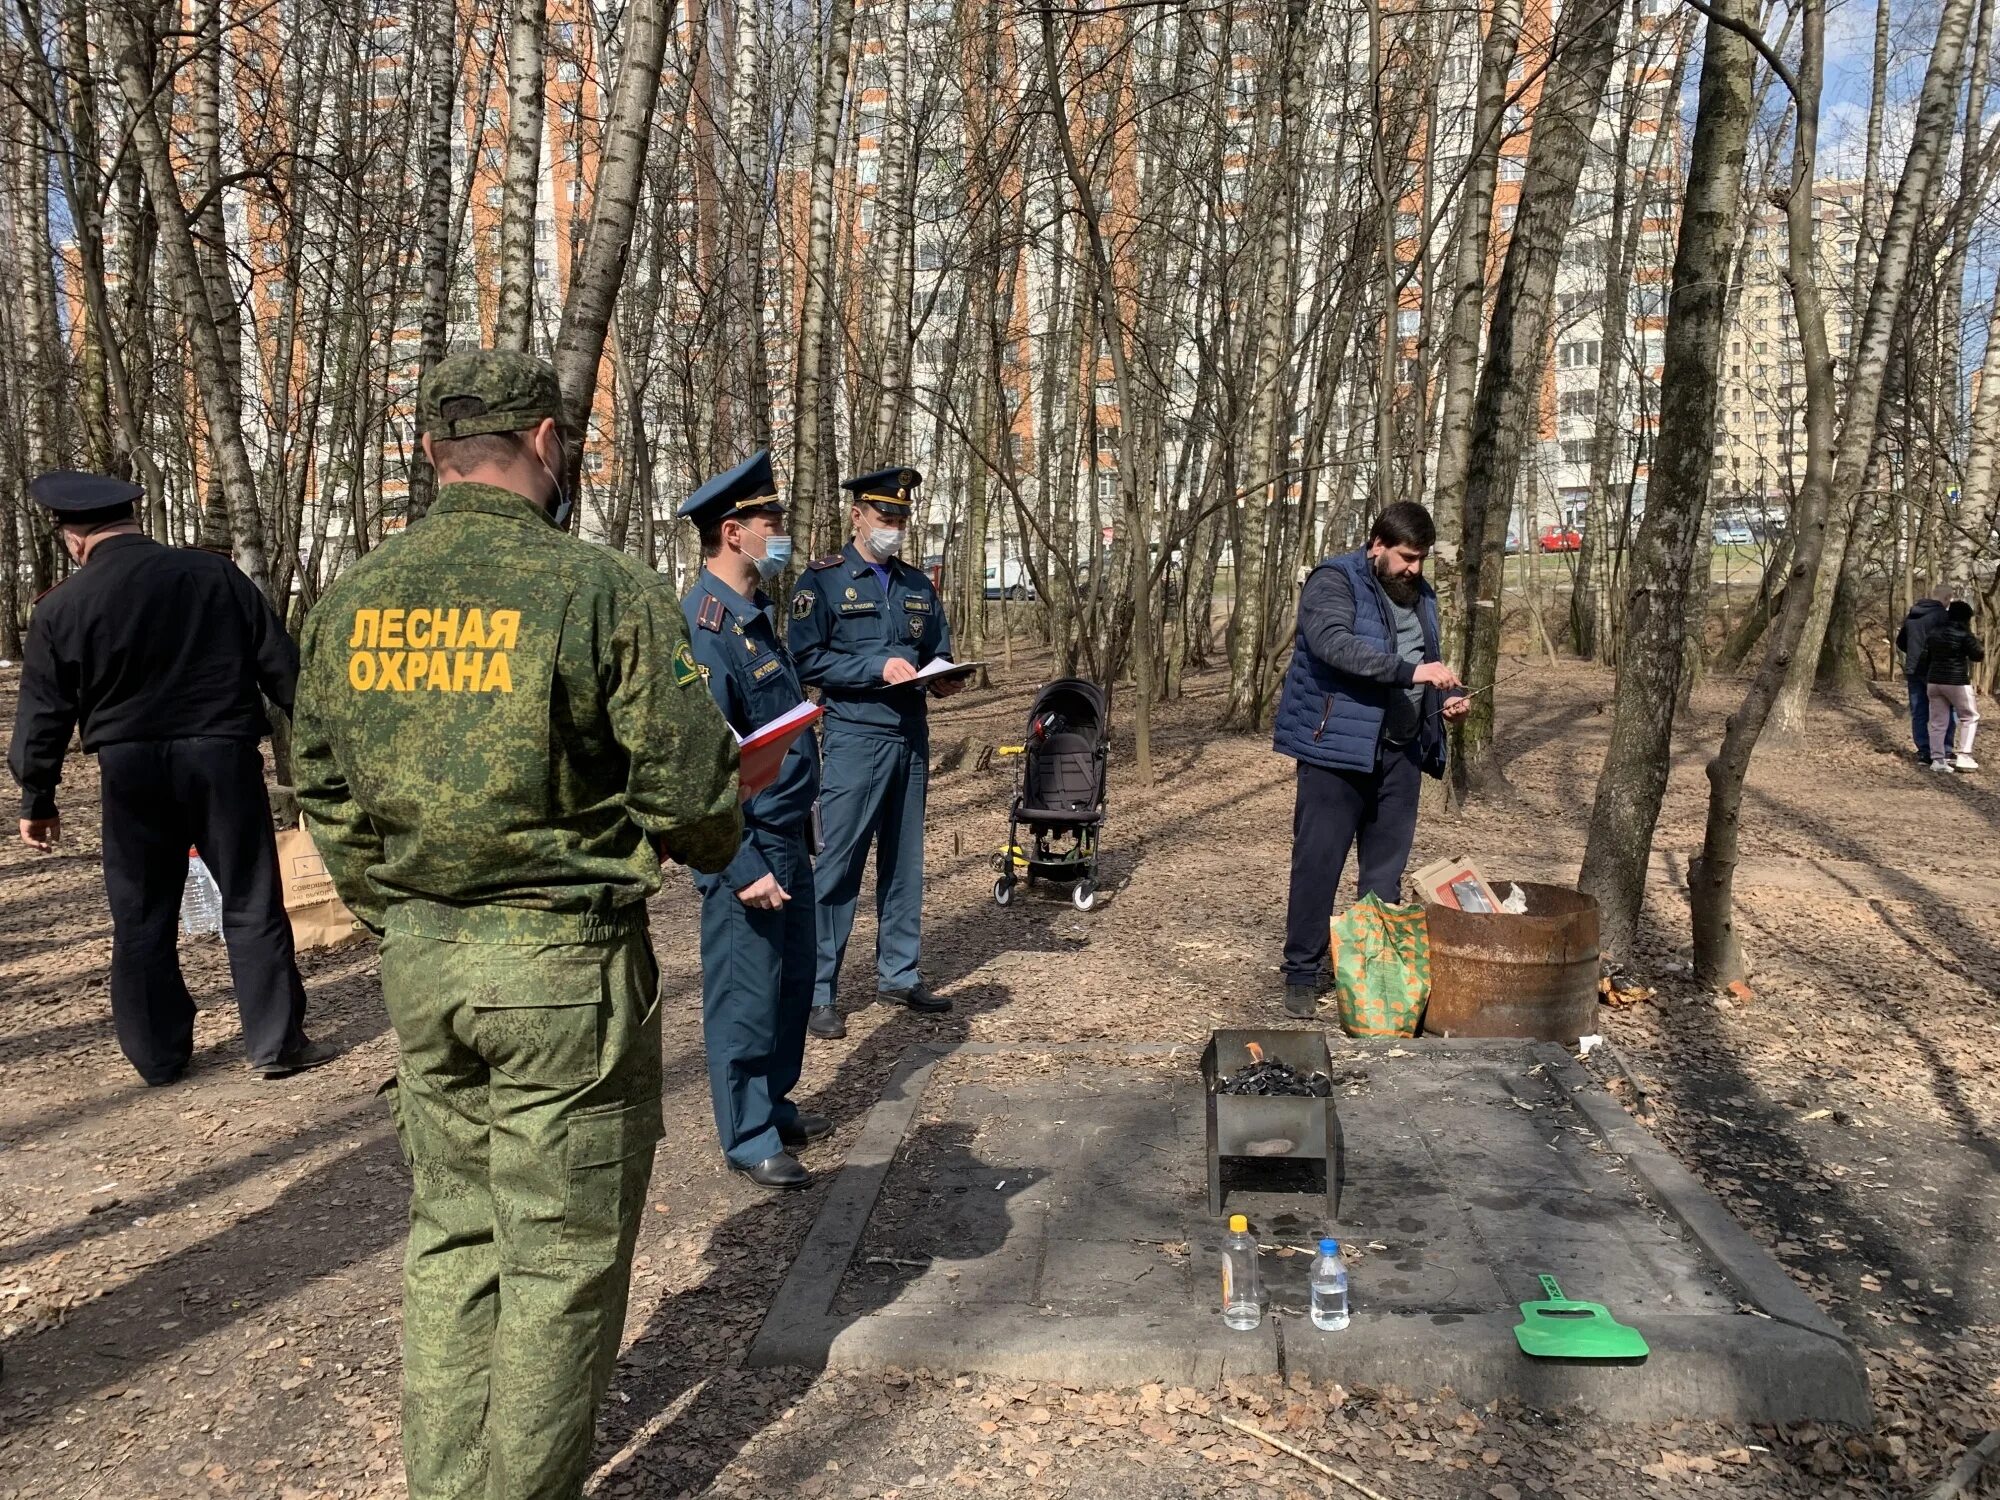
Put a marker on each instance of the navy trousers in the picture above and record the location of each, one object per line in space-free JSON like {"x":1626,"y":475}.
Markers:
{"x":161,"y":798}
{"x":1920,"y":718}
{"x":756,"y":985}
{"x":1335,"y":812}
{"x":871,"y":797}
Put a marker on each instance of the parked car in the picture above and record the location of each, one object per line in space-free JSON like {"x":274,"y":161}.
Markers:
{"x":1732,"y":534}
{"x":1559,"y":539}
{"x":1016,"y":586}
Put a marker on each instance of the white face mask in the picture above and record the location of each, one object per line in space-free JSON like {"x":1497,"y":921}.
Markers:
{"x":885,"y":541}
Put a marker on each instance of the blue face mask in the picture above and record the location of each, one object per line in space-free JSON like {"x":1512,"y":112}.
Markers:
{"x":777,"y":557}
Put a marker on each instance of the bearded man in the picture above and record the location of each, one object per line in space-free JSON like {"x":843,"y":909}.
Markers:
{"x":1363,"y":712}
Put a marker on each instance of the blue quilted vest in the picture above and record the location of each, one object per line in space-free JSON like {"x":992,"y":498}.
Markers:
{"x":1327,"y":718}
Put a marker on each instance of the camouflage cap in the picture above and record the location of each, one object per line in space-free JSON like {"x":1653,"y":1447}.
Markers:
{"x":487,"y":390}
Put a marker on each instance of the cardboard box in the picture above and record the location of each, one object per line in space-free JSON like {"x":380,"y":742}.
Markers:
{"x":1458,"y":884}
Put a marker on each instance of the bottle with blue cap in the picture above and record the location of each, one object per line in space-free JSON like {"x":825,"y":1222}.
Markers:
{"x":1329,"y":1287}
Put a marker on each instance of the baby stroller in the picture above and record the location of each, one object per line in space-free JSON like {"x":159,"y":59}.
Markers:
{"x":1058,"y":793}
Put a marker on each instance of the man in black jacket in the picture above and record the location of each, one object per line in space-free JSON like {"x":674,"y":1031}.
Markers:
{"x":160,"y":655}
{"x":1917,"y":624}
{"x":1946,"y":661}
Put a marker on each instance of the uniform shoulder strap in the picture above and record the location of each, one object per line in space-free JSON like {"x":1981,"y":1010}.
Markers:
{"x":709,"y":616}
{"x":831,"y":560}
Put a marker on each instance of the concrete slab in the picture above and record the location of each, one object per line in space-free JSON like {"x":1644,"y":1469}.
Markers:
{"x":1040,"y":1212}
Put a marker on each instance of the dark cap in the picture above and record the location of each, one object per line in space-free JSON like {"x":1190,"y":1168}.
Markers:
{"x":487,"y":390}
{"x":743,"y":491}
{"x":84,"y":498}
{"x":888,"y":490}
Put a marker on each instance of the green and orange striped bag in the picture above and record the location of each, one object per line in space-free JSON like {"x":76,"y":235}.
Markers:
{"x":1381,"y":967}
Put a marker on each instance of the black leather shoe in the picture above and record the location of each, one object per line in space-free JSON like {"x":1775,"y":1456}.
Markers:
{"x":824,"y":1021}
{"x":1301,"y":1000}
{"x":311,"y":1055}
{"x":780,"y":1171}
{"x":919,"y":998}
{"x":806,"y":1128}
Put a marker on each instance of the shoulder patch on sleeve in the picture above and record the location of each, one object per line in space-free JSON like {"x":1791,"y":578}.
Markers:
{"x":802,"y":604}
{"x":831,"y":560}
{"x":709,"y":616}
{"x":685,"y":670}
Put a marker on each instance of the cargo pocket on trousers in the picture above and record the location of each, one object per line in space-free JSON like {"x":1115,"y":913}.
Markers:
{"x":542,"y":1022}
{"x":391,"y":1094}
{"x":608,"y":1157}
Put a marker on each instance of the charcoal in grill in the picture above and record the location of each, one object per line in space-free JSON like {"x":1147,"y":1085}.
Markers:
{"x":1275,"y":1078}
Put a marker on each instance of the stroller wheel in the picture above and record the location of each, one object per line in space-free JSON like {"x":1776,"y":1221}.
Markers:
{"x":1084,"y":896}
{"x":1003,"y":891}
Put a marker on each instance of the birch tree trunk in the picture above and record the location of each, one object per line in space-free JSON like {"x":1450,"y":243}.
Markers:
{"x":887,"y":321}
{"x":434,"y":216}
{"x":211,"y":368}
{"x":1257,"y":577}
{"x":1718,"y":955}
{"x":1517,"y":347}
{"x":614,"y":208}
{"x":1467,"y":317}
{"x":1633,"y":778}
{"x":1930,"y":139}
{"x":812,"y":440}
{"x":1140,"y":576}
{"x":1590,"y":613}
{"x":211,"y":237}
{"x":514,"y":326}
{"x":1976,"y":507}
{"x":748,"y":407}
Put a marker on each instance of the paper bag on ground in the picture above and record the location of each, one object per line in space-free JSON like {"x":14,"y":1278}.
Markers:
{"x":319,"y":918}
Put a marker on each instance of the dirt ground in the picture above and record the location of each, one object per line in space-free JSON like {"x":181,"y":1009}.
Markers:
{"x":199,"y":1286}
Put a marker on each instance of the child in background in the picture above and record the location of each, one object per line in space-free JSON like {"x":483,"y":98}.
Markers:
{"x":1949,"y":651}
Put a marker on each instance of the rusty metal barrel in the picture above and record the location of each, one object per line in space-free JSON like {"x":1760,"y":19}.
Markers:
{"x":1529,"y":976}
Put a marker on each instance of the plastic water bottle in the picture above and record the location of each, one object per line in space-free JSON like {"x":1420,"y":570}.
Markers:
{"x":201,"y":900}
{"x":1242,"y":1288}
{"x":1329,"y":1287}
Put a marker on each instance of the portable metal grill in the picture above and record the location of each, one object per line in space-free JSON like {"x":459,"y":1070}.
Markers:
{"x":1268,"y":1129}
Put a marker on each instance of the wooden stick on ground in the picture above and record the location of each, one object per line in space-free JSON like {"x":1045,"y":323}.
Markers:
{"x":1301,"y":1455}
{"x":1967,"y":1470}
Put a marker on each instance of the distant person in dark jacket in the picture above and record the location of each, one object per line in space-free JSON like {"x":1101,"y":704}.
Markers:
{"x":1363,"y":711}
{"x":163,"y":657}
{"x":1949,"y":651}
{"x":1917,"y":624}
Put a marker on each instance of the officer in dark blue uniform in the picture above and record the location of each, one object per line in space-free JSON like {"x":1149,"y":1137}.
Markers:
{"x":863,"y":623}
{"x":757,"y":922}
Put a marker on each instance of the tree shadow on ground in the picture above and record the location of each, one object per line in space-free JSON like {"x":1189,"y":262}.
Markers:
{"x":236,"y":1275}
{"x":687,"y":1407}
{"x":1743,"y":1134}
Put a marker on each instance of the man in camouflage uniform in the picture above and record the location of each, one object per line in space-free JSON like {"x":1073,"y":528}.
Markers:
{"x":501,"y":730}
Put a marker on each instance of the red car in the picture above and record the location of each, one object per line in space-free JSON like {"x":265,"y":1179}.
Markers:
{"x":1559,"y":539}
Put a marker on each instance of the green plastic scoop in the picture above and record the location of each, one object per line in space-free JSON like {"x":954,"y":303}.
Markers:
{"x":1558,"y":1328}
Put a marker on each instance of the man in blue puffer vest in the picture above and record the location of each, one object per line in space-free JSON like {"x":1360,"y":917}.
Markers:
{"x":1363,"y":712}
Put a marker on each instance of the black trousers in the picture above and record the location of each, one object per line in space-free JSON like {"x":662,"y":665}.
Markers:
{"x":1335,"y":811}
{"x":162,"y":797}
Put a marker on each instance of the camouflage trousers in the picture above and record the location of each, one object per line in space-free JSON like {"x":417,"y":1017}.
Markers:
{"x":527,"y":1099}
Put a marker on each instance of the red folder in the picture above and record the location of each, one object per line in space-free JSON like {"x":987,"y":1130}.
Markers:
{"x":763,"y":752}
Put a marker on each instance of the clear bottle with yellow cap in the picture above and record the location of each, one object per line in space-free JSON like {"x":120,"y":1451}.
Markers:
{"x":1242,"y":1287}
